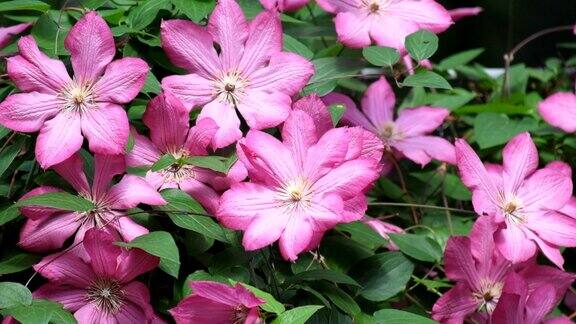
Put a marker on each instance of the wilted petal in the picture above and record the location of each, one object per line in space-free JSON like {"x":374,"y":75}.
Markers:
{"x":48,"y":233}
{"x":263,"y":44}
{"x":262,"y":110}
{"x":229,"y":29}
{"x":131,"y":191}
{"x":228,"y":123}
{"x":459,"y":13}
{"x":378,"y":102}
{"x":122,"y":80}
{"x":91,"y":46}
{"x":59,"y":139}
{"x":27,"y":112}
{"x":427,"y":14}
{"x":168,"y":122}
{"x":559,"y":110}
{"x":287,"y":73}
{"x":420,"y":121}
{"x":32,"y":70}
{"x":422,"y":149}
{"x":192,"y":89}
{"x":243,"y":202}
{"x":106,"y":128}
{"x":353,"y":30}
{"x":189,"y":46}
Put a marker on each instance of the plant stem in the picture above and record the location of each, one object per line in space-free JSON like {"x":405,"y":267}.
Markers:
{"x":403,"y":185}
{"x":393,"y":204}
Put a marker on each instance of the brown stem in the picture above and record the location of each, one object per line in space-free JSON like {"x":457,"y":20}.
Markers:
{"x":403,"y":185}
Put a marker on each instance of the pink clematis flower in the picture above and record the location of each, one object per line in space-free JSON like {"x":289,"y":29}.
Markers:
{"x":460,"y":13}
{"x":405,"y":136}
{"x":213,"y":302}
{"x":248,"y":72}
{"x":383,"y":229}
{"x":522,"y":200}
{"x":170,"y":133}
{"x":101,"y":288}
{"x":481,"y":273}
{"x":298,"y":187}
{"x":63,"y":108}
{"x":284,"y":5}
{"x":48,"y":228}
{"x":559,"y":110}
{"x":522,"y":304}
{"x":384,"y":22}
{"x":6,"y":33}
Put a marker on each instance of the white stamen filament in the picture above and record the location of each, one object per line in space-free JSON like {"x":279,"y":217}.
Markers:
{"x":296,"y":193}
{"x":78,"y":97}
{"x":389,"y":133}
{"x":230,"y":87}
{"x":488,"y":295}
{"x":106,"y":294}
{"x":512,"y":209}
{"x":177,"y":173}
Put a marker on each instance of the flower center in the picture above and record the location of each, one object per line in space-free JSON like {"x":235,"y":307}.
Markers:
{"x":239,"y":315}
{"x":230,"y":87}
{"x":389,"y":133}
{"x":512,"y":210}
{"x":78,"y":97}
{"x":376,"y":6}
{"x":488,"y":295}
{"x":296,"y":193}
{"x":106,"y":294}
{"x":177,"y":173}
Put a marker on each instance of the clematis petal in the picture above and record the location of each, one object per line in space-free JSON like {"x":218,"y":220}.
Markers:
{"x":228,"y":123}
{"x":378,"y":102}
{"x":263,"y":44}
{"x":353,"y":29}
{"x":66,"y":268}
{"x":352,"y":114}
{"x":391,"y":31}
{"x":32,"y":70}
{"x":455,"y":305}
{"x":245,"y":201}
{"x":520,"y":160}
{"x":92,"y":314}
{"x":229,"y":29}
{"x":296,"y":237}
{"x":513,"y":243}
{"x":553,"y":227}
{"x":168,"y":122}
{"x":559,"y":110}
{"x":91,"y":46}
{"x":265,"y":230}
{"x":326,"y":154}
{"x":459,"y":13}
{"x":459,"y":262}
{"x":325,"y":211}
{"x":27,"y":112}
{"x":299,"y":134}
{"x":131,"y":313}
{"x":317,"y":110}
{"x":427,"y":14}
{"x":59,"y":138}
{"x":200,"y":136}
{"x":287,"y":73}
{"x":7,"y":33}
{"x":102,"y":251}
{"x":422,"y":149}
{"x":128,"y":228}
{"x":264,"y":110}
{"x":192,"y":89}
{"x":122,"y":80}
{"x":134,"y":263}
{"x":72,"y":170}
{"x":105,"y":168}
{"x":48,"y":233}
{"x":420,"y":121}
{"x":189,"y":46}
{"x":215,"y":291}
{"x":71,"y":298}
{"x":348,"y":179}
{"x":144,"y":153}
{"x":205,"y":195}
{"x":197,"y":309}
{"x":38,"y":212}
{"x":334,"y":6}
{"x":546,"y":189}
{"x":106,"y":128}
{"x":540,"y":302}
{"x":131,"y":191}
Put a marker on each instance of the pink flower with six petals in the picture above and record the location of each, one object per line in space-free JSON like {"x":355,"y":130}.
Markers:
{"x":384,"y":22}
{"x":64,"y":109}
{"x":248,"y":72}
{"x":48,"y":228}
{"x":170,"y":133}
{"x":213,"y":302}
{"x":406,"y":135}
{"x":100,"y":288}
{"x":522,"y":200}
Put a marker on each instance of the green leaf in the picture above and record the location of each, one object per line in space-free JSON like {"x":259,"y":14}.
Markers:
{"x":58,"y":200}
{"x":18,"y":263}
{"x":271,"y":305}
{"x":160,"y":244}
{"x":495,"y":129}
{"x":145,"y":13}
{"x":40,"y":312}
{"x":13,"y":294}
{"x":152,"y":85}
{"x":298,"y":315}
{"x":18,"y":5}
{"x":362,"y":234}
{"x":459,"y":59}
{"x":214,"y":163}
{"x":381,"y":55}
{"x":164,"y":161}
{"x":336,"y":113}
{"x":293,"y":45}
{"x":395,"y":316}
{"x":93,"y":4}
{"x":341,"y":299}
{"x":324,"y":274}
{"x":49,"y":34}
{"x":9,"y":154}
{"x":181,"y":201}
{"x":496,"y":107}
{"x":452,"y":101}
{"x":421,"y":44}
{"x":426,"y":79}
{"x":196,"y":10}
{"x":329,"y":70}
{"x":383,"y":275}
{"x":419,"y":247}
{"x":9,"y":214}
